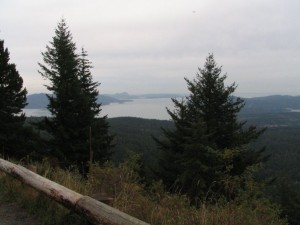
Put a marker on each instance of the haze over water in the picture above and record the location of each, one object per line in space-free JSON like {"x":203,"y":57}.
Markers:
{"x":142,"y":108}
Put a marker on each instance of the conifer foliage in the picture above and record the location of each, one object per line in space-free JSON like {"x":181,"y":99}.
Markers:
{"x":75,"y":126}
{"x":12,"y":101}
{"x":208,"y":143}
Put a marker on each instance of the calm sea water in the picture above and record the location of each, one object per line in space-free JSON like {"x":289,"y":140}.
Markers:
{"x":142,"y":108}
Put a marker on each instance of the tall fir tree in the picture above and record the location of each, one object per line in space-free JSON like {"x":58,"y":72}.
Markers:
{"x":12,"y":102}
{"x":74,"y":125}
{"x":95,"y":127}
{"x":208,"y":141}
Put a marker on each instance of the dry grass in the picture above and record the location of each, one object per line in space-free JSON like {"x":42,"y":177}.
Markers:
{"x":153,"y":205}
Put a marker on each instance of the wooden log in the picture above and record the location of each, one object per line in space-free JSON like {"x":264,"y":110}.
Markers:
{"x":95,"y":211}
{"x":102,"y":198}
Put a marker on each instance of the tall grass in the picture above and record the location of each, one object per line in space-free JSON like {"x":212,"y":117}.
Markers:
{"x":152,"y":204}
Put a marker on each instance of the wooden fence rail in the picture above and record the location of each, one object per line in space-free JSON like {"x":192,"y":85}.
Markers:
{"x":96,"y":212}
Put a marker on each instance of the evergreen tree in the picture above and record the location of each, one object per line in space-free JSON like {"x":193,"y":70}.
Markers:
{"x":74,"y":127}
{"x":208,"y":141}
{"x":95,"y":127}
{"x":12,"y":101}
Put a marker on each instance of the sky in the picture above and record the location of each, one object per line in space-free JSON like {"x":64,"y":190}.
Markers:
{"x":150,"y":46}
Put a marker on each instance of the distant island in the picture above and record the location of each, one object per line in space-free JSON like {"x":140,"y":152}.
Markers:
{"x":126,"y":96}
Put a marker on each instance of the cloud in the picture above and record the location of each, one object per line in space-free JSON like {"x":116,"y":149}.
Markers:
{"x":150,"y":46}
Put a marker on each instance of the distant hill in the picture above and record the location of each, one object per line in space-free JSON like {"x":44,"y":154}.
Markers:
{"x":40,"y":101}
{"x":271,"y":104}
{"x":37,"y":101}
{"x":122,"y":96}
{"x":106,"y":100}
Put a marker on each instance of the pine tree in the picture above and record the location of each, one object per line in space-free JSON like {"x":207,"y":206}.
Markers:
{"x":208,"y":141}
{"x":12,"y":101}
{"x":96,"y":127}
{"x":72,"y":103}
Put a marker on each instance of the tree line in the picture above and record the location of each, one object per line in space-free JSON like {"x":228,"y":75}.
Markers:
{"x":206,"y":155}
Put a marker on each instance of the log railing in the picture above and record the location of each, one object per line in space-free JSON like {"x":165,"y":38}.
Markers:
{"x":96,"y":212}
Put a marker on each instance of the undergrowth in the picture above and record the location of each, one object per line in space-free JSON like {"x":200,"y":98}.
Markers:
{"x":151,"y":204}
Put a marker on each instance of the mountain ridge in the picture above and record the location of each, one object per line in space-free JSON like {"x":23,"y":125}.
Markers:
{"x":265,"y":104}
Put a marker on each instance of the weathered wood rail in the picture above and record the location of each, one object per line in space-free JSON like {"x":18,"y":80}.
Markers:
{"x":96,"y":212}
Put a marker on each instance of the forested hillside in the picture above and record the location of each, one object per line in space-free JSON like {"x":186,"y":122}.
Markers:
{"x":271,"y":104}
{"x":281,"y":140}
{"x":134,"y":134}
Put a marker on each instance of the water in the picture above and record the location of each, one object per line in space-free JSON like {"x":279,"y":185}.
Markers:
{"x":36,"y":112}
{"x":142,"y":108}
{"x":294,"y":110}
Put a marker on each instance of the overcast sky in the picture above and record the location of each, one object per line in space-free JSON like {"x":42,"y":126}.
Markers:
{"x":149,"y":46}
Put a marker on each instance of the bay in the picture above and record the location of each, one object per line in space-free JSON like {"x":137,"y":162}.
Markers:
{"x":142,"y":108}
{"x":36,"y":112}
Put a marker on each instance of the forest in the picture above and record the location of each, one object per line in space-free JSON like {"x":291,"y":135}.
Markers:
{"x":215,"y":153}
{"x":281,"y":140}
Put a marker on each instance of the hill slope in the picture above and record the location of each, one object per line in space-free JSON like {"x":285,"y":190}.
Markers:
{"x":40,"y":101}
{"x":271,"y":104}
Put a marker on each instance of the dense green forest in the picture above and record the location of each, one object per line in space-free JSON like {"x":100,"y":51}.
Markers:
{"x":281,"y":140}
